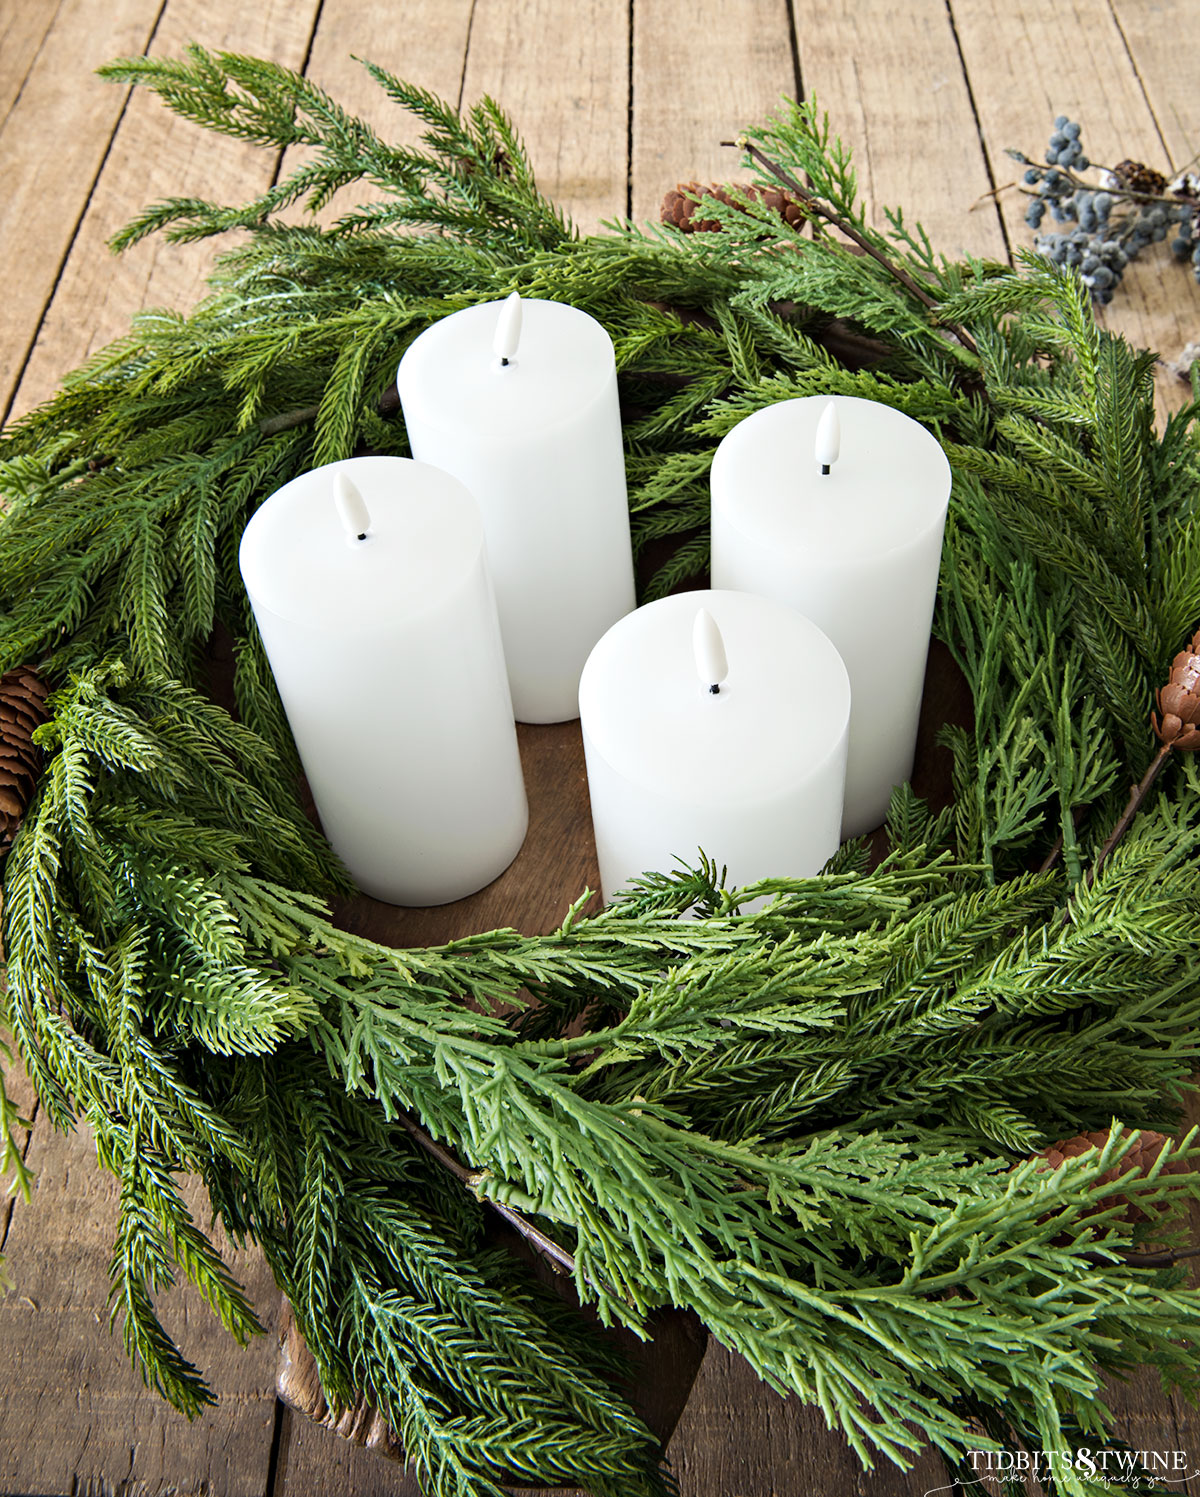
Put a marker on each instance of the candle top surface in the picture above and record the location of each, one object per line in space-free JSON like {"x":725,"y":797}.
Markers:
{"x":451,"y":376}
{"x":782,"y":709}
{"x":423,"y":541}
{"x":888,"y":485}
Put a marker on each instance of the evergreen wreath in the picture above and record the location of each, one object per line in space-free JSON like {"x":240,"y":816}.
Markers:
{"x":810,"y":1124}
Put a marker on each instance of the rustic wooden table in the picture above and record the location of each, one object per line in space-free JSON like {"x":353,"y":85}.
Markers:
{"x":618,"y":100}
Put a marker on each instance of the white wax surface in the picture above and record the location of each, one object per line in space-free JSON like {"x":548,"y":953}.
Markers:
{"x":538,"y":444}
{"x":857,"y":550}
{"x":753,"y":775}
{"x":387,"y":656}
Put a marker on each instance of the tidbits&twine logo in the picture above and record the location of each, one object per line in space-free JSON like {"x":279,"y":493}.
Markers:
{"x":1122,"y":1469}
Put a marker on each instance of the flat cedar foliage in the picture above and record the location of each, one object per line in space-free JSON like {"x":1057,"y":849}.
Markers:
{"x":810,"y":1124}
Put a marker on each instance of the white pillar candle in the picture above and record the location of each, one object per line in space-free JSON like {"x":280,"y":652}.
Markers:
{"x":837,"y":506}
{"x":369,"y":586}
{"x":714,"y":721}
{"x":518,"y":400}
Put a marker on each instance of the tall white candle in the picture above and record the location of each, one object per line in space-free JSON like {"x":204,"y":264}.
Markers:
{"x":837,"y":506}
{"x":714,"y":721}
{"x":370,"y":590}
{"x":518,"y":400}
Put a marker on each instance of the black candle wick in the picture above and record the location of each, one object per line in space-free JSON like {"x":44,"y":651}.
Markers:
{"x":715,"y":689}
{"x":825,"y":468}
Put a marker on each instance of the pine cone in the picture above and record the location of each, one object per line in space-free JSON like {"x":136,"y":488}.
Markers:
{"x":678,"y":207}
{"x":1140,"y":1157}
{"x":1138,"y":178}
{"x":22,"y":708}
{"x":1179,"y":700}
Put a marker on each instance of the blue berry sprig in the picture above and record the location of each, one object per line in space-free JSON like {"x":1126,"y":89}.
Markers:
{"x":1114,"y":220}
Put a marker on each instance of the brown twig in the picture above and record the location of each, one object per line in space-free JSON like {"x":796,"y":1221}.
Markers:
{"x":992,"y":192}
{"x":270,"y":426}
{"x":1132,"y":806}
{"x":1165,"y":1259}
{"x":473,"y":1179}
{"x":823,"y":210}
{"x":1052,"y":856}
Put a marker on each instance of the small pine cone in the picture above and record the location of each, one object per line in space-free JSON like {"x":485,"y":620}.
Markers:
{"x":1140,"y":179}
{"x":1179,"y":701}
{"x":680,"y":208}
{"x":1141,"y":1157}
{"x":23,"y":696}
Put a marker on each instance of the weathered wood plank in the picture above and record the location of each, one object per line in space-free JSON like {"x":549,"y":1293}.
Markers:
{"x":1161,"y":40}
{"x":429,"y":50}
{"x":732,"y":72}
{"x":738,"y":1437}
{"x":56,"y":123}
{"x":313,"y":1459}
{"x":1030,"y":62}
{"x":24,"y":27}
{"x":562,"y":73}
{"x":72,"y":1409}
{"x":154,"y":155}
{"x":891,"y":80}
{"x":19,"y":1090}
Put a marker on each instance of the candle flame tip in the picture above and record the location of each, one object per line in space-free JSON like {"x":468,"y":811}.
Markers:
{"x":351,"y":507}
{"x":709,"y":650}
{"x":829,"y":438}
{"x":508,"y":329}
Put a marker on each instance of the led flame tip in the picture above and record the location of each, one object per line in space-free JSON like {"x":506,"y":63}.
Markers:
{"x":711,"y":665}
{"x":352,"y":511}
{"x":829,"y":437}
{"x":508,"y":329}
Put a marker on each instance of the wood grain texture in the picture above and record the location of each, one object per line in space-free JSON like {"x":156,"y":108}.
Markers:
{"x":1160,"y":37}
{"x":24,"y":27}
{"x":71,"y":1407}
{"x":891,"y":80}
{"x":154,"y":155}
{"x":56,"y":123}
{"x":562,"y":72}
{"x":1030,"y":62}
{"x":19,"y":1090}
{"x":732,"y":72}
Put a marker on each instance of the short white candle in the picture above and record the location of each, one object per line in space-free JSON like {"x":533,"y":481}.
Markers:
{"x":751,"y":772}
{"x":518,"y":400}
{"x":856,"y":548}
{"x":370,"y":590}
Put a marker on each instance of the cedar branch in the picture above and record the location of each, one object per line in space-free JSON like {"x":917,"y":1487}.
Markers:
{"x":810,"y":200}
